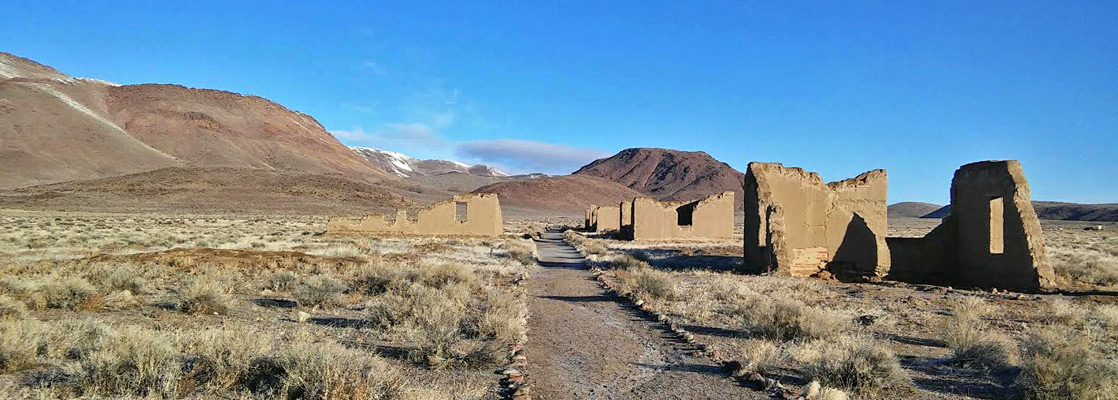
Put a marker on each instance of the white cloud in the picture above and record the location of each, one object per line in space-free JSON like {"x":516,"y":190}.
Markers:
{"x":407,"y":137}
{"x":528,"y":155}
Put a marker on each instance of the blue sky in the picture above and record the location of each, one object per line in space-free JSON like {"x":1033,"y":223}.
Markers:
{"x":915,"y":87}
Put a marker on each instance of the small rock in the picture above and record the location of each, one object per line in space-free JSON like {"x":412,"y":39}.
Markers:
{"x":511,"y":371}
{"x":302,"y":317}
{"x":825,"y":275}
{"x":639,"y":303}
{"x":520,"y":360}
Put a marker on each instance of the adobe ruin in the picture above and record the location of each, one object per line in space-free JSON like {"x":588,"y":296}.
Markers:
{"x":708,"y":218}
{"x":797,"y":225}
{"x":468,"y":214}
{"x":991,"y":239}
{"x":603,"y":218}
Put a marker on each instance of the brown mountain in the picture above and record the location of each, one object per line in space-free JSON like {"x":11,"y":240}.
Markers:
{"x":1053,"y":210}
{"x":565,"y":195}
{"x":668,"y":174}
{"x":58,"y":128}
{"x":913,"y":209}
{"x":210,"y":190}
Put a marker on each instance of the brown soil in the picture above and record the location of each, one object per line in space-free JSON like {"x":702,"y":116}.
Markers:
{"x":586,"y":343}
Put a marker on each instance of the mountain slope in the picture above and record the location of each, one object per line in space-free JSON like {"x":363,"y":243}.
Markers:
{"x":205,"y":190}
{"x":57,"y":128}
{"x":912,"y":209}
{"x":568,"y":195}
{"x":1052,"y":210}
{"x":668,"y":174}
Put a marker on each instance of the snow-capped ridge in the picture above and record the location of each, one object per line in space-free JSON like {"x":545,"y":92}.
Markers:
{"x":405,"y":166}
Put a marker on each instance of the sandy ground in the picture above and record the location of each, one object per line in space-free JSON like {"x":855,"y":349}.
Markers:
{"x":587,"y":344}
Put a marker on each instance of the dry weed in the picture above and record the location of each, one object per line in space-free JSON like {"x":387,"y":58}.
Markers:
{"x":854,"y":363}
{"x":1058,"y":364}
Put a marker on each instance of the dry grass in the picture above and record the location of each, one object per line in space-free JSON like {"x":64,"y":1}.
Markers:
{"x":785,"y":319}
{"x":117,"y":275}
{"x":646,"y":284}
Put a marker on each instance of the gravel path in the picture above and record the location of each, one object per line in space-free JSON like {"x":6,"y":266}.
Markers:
{"x":585,"y":343}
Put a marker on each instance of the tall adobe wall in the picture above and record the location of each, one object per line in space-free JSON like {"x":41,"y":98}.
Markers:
{"x":797,"y":225}
{"x":992,"y":238}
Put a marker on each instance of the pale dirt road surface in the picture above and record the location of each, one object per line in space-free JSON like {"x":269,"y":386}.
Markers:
{"x":585,"y":343}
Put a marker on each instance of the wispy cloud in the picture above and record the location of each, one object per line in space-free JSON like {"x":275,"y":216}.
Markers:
{"x":374,"y":68}
{"x":528,"y":155}
{"x":400,"y":136}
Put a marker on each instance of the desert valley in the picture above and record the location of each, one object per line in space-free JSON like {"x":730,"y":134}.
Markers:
{"x":163,"y":241}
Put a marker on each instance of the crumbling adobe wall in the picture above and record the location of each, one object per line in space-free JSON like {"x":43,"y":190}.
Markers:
{"x":797,"y":225}
{"x":608,"y":219}
{"x":482,"y":218}
{"x":603,"y":218}
{"x":992,"y":238}
{"x":709,"y":218}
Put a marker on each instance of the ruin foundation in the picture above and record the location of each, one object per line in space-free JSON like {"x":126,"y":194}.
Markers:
{"x":991,"y":239}
{"x":469,"y":214}
{"x":797,"y":225}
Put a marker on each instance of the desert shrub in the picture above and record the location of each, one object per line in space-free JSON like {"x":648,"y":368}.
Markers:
{"x":328,"y":370}
{"x":758,"y":355}
{"x":1106,"y":316}
{"x":646,"y":284}
{"x":1060,"y":364}
{"x":119,"y":300}
{"x":11,"y":308}
{"x":624,"y":262}
{"x":973,"y":342}
{"x":815,"y":391}
{"x":282,"y":281}
{"x":430,"y":317}
{"x":523,"y":254}
{"x":786,"y":319}
{"x":592,"y":247}
{"x":20,"y":341}
{"x":133,"y":362}
{"x":231,"y":352}
{"x":121,"y":277}
{"x":503,"y":318}
{"x":206,"y":295}
{"x":320,"y":290}
{"x":1065,"y":312}
{"x":66,"y":292}
{"x":446,"y":274}
{"x":853,"y":363}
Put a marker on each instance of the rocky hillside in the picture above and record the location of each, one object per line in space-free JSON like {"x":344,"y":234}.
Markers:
{"x":668,"y":174}
{"x":560,"y":195}
{"x":58,"y":128}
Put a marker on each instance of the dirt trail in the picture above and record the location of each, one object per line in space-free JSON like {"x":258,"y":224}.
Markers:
{"x":585,"y":343}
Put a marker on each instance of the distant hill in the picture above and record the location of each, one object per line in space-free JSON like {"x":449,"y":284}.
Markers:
{"x":1052,"y":210}
{"x":405,"y":166}
{"x":912,"y":209}
{"x":567,"y":195}
{"x":56,"y":128}
{"x":211,"y":190}
{"x":668,"y":174}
